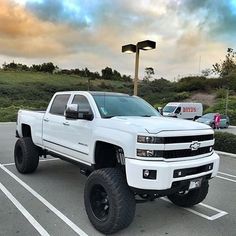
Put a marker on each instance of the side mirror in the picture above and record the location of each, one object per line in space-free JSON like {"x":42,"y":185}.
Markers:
{"x":74,"y":112}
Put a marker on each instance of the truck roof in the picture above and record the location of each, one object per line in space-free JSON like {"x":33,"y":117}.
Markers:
{"x":96,"y":93}
{"x":178,"y":103}
{"x":107,"y":93}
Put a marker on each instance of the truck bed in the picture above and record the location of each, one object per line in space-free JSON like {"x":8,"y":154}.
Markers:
{"x":34,"y":119}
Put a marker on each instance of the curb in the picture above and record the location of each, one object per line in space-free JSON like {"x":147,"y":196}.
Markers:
{"x":7,"y":123}
{"x":232,"y":126}
{"x":226,"y":153}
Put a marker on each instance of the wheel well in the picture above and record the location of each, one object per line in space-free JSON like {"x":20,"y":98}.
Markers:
{"x":26,"y":130}
{"x":108,"y":155}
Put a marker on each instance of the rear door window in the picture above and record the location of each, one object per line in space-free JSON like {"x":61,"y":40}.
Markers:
{"x":59,"y":104}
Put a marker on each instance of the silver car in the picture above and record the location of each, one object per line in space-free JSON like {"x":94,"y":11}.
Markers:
{"x":208,"y":119}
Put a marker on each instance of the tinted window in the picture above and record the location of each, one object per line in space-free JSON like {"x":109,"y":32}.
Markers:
{"x":177,"y":111}
{"x":59,"y":104}
{"x":208,"y":116}
{"x":83,"y":103}
{"x":112,"y":105}
{"x":169,"y":109}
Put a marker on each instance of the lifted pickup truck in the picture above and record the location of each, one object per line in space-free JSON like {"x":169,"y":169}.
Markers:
{"x":125,"y":147}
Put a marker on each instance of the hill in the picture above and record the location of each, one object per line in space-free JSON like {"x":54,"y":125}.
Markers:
{"x":33,"y":90}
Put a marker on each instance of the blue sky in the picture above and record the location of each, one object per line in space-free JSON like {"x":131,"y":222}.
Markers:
{"x":190,"y":34}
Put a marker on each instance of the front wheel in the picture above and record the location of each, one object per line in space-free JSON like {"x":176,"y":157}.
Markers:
{"x":190,"y":198}
{"x":109,"y":203}
{"x":26,"y":155}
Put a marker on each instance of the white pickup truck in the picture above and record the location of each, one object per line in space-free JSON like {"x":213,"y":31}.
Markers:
{"x":125,"y":147}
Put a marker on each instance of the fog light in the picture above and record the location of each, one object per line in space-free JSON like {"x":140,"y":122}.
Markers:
{"x":146,"y":173}
{"x":149,"y":174}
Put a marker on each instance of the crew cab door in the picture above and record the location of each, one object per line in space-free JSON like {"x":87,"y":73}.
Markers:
{"x":54,"y":124}
{"x":78,"y":132}
{"x":67,"y":137}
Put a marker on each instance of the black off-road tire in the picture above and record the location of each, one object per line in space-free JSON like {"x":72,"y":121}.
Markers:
{"x":26,"y":155}
{"x":109,"y":203}
{"x":190,"y":198}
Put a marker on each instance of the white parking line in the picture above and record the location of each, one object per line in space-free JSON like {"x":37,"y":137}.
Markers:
{"x":234,"y":176}
{"x":214,"y":217}
{"x":221,"y":177}
{"x":72,"y":225}
{"x":51,"y":159}
{"x":226,"y":153}
{"x":229,"y":175}
{"x":24,"y":212}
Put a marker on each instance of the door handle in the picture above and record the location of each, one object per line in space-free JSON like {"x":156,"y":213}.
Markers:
{"x":66,"y":123}
{"x":46,"y":119}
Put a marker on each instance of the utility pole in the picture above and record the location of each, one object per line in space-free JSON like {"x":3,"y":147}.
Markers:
{"x":227,"y":101}
{"x":199,"y":66}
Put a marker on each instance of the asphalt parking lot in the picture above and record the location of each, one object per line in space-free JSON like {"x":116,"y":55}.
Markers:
{"x":231,"y":129}
{"x":50,"y":202}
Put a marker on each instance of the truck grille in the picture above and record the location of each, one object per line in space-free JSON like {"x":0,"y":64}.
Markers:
{"x":187,"y":139}
{"x":168,"y":154}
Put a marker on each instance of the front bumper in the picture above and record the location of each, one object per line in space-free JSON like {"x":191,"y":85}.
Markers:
{"x":165,"y":171}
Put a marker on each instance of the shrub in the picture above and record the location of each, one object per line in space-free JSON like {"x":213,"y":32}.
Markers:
{"x":221,"y":93}
{"x":181,"y":96}
{"x":225,"y":142}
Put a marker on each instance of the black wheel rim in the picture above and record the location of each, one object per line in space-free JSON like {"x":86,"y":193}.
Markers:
{"x":99,"y":202}
{"x":183,"y":192}
{"x":19,"y":156}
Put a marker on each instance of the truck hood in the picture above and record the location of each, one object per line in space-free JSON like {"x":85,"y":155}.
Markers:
{"x":154,"y":125}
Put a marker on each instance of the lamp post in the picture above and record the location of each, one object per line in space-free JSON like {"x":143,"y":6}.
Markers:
{"x":131,"y":48}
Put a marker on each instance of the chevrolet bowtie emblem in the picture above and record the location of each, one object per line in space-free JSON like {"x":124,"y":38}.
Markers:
{"x":194,"y":145}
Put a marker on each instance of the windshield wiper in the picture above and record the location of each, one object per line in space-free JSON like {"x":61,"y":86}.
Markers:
{"x":146,"y":116}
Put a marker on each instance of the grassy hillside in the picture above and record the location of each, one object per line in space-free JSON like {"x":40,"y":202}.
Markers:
{"x":34,"y":90}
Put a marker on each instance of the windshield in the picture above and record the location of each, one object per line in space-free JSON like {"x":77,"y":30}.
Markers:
{"x":169,"y":109}
{"x":122,"y":105}
{"x":208,"y":116}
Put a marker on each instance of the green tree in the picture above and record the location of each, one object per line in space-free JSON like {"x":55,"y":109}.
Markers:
{"x":48,"y":67}
{"x":107,"y":73}
{"x":149,"y":72}
{"x":206,"y":72}
{"x":227,"y":66}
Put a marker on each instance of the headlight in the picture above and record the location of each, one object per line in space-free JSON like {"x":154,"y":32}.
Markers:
{"x":149,"y":153}
{"x":149,"y":139}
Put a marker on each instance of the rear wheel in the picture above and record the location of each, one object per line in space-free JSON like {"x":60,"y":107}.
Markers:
{"x":190,"y":198}
{"x":109,"y":203}
{"x":26,"y":155}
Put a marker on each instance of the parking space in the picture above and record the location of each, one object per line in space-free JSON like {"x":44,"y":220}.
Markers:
{"x":231,"y":129}
{"x":50,"y":202}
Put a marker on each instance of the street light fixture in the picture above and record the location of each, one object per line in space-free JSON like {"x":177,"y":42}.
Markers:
{"x":131,"y":48}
